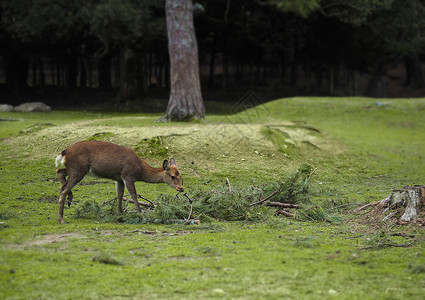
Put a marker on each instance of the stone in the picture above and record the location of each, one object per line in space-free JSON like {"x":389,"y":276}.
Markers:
{"x":6,"y":107}
{"x":33,"y":107}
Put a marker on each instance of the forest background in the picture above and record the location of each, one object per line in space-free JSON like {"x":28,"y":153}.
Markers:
{"x":77,"y":53}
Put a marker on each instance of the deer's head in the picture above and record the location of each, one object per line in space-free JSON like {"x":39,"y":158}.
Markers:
{"x":172,"y":175}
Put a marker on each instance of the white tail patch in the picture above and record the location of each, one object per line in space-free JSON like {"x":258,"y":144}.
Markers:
{"x":60,"y":160}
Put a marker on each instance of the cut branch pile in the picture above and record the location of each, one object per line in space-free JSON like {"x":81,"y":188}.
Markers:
{"x":289,"y":197}
{"x":282,"y":206}
{"x":406,"y":204}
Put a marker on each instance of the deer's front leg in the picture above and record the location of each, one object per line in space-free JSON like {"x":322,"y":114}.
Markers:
{"x":129,"y":183}
{"x":120,"y":194}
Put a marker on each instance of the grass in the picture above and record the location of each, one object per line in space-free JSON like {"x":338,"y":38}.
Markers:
{"x":360,"y":150}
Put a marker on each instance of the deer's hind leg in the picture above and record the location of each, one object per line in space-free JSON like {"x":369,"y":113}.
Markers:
{"x":66,"y":188}
{"x":62,"y":173}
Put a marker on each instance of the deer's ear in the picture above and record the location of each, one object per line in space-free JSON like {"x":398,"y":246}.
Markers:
{"x":166,"y":165}
{"x":172,"y":162}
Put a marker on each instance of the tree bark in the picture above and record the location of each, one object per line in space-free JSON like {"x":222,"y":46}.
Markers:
{"x":104,"y":66}
{"x":132,"y":75}
{"x":185,"y":103}
{"x":414,"y":76}
{"x":376,"y":87}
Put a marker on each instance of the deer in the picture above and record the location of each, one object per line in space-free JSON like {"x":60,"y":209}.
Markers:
{"x":110,"y":161}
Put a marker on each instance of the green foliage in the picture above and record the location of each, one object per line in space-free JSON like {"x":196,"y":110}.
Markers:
{"x":170,"y":208}
{"x":100,"y":136}
{"x":417,"y":268}
{"x":117,"y":23}
{"x":35,"y":128}
{"x":6,"y":215}
{"x":106,"y":258}
{"x":219,"y":204}
{"x":122,"y":24}
{"x":280,"y":138}
{"x":355,"y":12}
{"x":301,"y":7}
{"x":88,"y":210}
{"x":44,"y":20}
{"x":153,"y":147}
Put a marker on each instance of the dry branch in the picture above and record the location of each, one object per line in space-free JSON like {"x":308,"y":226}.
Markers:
{"x":191,"y":207}
{"x":375,"y":203}
{"x":265,"y":199}
{"x":228,"y":183}
{"x":285,"y":212}
{"x":283,"y":205}
{"x":146,"y":199}
{"x":140,"y":203}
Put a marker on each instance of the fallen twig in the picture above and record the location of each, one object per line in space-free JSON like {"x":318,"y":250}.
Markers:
{"x":140,"y":203}
{"x":143,"y":231}
{"x":191,"y":207}
{"x":311,"y":174}
{"x":402,"y":234}
{"x":345,"y":205}
{"x":285,"y":212}
{"x":265,"y":199}
{"x":284,"y":205}
{"x":141,"y":197}
{"x":368,"y":205}
{"x":228,"y":183}
{"x":388,"y":216}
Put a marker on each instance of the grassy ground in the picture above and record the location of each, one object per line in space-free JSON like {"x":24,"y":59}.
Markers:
{"x":360,"y":149}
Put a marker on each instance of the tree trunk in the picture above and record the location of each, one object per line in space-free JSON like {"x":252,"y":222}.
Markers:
{"x":83,"y":72}
{"x":414,"y":76}
{"x":132,"y":75}
{"x":185,"y":101}
{"x":375,"y":87}
{"x":17,"y":66}
{"x":104,"y":67}
{"x":212,"y":63}
{"x":72,"y":62}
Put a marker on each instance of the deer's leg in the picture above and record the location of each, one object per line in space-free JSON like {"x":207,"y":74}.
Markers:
{"x":62,"y":173}
{"x":120,"y":194}
{"x":73,"y":179}
{"x":129,"y":184}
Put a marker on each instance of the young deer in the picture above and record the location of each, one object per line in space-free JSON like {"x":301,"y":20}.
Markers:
{"x":107,"y":160}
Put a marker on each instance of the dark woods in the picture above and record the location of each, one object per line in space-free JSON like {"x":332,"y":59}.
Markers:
{"x":278,"y":48}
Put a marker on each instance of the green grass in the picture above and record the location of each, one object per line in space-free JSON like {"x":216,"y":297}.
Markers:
{"x":360,"y":150}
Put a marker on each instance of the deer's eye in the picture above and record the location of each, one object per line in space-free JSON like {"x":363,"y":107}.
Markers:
{"x":173,"y":177}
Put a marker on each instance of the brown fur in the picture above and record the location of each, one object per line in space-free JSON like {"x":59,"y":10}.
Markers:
{"x":114,"y":162}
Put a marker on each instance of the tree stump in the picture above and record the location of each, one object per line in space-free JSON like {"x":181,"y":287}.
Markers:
{"x":411,"y":198}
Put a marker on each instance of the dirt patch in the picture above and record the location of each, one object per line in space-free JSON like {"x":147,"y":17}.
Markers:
{"x":48,"y":239}
{"x":48,"y":199}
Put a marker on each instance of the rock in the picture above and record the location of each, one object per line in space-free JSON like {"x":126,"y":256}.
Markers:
{"x":6,"y":107}
{"x":33,"y":106}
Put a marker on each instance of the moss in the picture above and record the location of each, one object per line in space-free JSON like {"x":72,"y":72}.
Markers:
{"x":35,"y":127}
{"x":152,"y":147}
{"x":101,"y":136}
